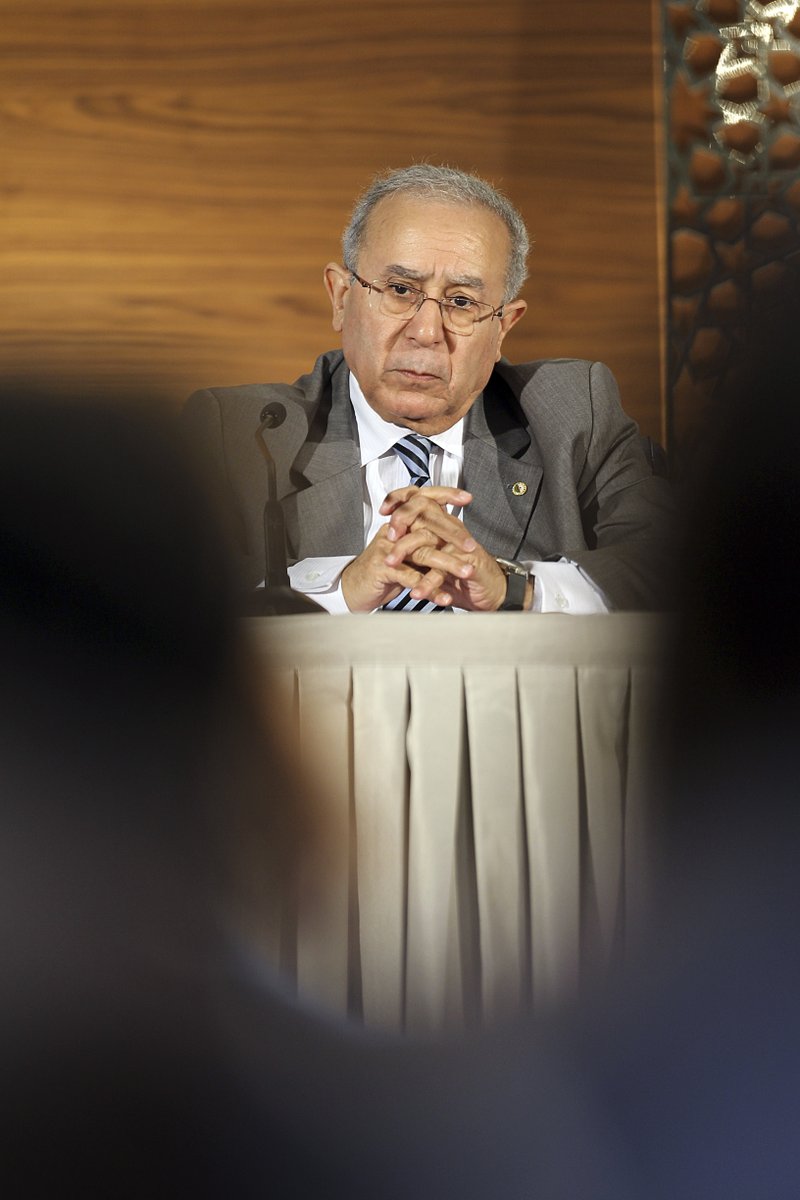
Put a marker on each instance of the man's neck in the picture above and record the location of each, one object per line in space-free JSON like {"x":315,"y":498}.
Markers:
{"x":376,"y":436}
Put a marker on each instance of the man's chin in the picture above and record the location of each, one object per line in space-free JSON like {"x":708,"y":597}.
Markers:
{"x":412,"y":404}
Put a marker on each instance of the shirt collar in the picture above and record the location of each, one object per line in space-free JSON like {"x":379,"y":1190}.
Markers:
{"x":377,"y":436}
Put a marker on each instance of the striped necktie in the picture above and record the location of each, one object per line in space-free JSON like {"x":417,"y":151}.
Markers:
{"x":414,"y":450}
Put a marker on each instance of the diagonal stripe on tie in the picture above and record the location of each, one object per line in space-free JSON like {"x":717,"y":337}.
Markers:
{"x":414,"y":450}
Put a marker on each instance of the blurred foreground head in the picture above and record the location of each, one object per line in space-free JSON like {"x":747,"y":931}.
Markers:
{"x":125,"y":709}
{"x":735,"y":697}
{"x":130,"y":746}
{"x":705,"y":1057}
{"x":120,"y":644}
{"x":115,"y":610}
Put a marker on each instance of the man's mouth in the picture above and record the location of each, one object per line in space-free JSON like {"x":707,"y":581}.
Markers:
{"x":414,"y":374}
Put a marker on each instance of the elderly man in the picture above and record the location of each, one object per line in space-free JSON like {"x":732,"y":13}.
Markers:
{"x":420,"y":470}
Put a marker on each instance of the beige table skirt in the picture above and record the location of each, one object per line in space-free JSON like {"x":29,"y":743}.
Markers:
{"x":485,"y":783}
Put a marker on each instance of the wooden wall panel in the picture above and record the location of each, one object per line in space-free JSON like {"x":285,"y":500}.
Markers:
{"x":175,"y":175}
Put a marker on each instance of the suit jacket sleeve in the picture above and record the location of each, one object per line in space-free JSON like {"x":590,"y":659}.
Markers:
{"x":596,"y":501}
{"x":628,"y":512}
{"x":315,"y":456}
{"x":220,"y":425}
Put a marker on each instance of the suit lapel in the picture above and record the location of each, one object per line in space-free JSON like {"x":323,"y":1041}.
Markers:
{"x":502,"y":469}
{"x":326,"y":516}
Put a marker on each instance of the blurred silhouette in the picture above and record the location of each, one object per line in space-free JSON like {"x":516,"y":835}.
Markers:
{"x":701,"y":1055}
{"x":144,"y":1048}
{"x":129,"y":743}
{"x":738,"y":668}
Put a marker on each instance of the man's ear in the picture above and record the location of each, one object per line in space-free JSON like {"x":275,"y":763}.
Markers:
{"x":512,"y":312}
{"x":337,"y":285}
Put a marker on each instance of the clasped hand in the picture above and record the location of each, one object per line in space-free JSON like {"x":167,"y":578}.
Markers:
{"x":426,"y":549}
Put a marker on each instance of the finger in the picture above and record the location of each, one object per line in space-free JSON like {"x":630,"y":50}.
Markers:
{"x":430,"y":588}
{"x":417,"y":504}
{"x":408,"y":576}
{"x":445,"y":560}
{"x":443,"y":598}
{"x":409,"y":544}
{"x":419,"y":513}
{"x":416,"y":514}
{"x":441,"y":495}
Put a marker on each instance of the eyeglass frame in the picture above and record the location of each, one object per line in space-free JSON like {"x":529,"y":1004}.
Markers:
{"x":423,"y":296}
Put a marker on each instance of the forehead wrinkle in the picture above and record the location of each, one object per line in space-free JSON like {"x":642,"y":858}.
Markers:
{"x":470,"y":281}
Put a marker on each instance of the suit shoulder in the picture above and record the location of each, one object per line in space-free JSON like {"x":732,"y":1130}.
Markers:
{"x":306,"y":391}
{"x":561,"y":383}
{"x":549,"y":372}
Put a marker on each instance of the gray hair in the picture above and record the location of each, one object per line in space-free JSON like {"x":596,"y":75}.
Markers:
{"x":450,"y":186}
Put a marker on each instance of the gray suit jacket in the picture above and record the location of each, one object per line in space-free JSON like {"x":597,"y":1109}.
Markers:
{"x":555,"y":426}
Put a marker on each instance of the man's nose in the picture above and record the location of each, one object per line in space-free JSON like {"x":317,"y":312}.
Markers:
{"x":426,"y":324}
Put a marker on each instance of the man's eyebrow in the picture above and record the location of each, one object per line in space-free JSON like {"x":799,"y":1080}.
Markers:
{"x":470,"y":281}
{"x":406,"y":272}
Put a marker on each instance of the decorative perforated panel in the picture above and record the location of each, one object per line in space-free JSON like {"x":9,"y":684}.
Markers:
{"x":733,"y":138}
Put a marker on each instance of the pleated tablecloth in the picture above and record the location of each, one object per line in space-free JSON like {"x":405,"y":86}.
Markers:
{"x":487,"y":788}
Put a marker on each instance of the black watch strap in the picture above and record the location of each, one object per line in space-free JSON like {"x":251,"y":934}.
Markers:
{"x":516,"y":584}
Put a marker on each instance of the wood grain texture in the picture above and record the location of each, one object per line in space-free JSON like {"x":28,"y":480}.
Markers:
{"x":175,"y":175}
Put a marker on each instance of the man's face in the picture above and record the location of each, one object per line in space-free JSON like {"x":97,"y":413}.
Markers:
{"x":416,"y":373}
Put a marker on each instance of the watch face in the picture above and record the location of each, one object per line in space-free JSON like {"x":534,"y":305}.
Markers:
{"x":510,"y":568}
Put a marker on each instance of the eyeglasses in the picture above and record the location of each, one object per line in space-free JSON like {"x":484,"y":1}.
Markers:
{"x":460,"y":313}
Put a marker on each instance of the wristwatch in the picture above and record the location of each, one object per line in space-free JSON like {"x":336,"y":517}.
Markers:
{"x":517,"y":578}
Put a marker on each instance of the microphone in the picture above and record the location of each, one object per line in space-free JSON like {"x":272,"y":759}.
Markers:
{"x":272,"y":415}
{"x":277,"y":595}
{"x":275,"y":573}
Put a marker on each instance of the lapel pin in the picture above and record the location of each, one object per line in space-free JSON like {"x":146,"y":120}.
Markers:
{"x":519,"y":488}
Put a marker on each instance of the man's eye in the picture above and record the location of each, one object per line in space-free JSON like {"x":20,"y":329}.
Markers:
{"x":464,"y":302}
{"x":401,"y":289}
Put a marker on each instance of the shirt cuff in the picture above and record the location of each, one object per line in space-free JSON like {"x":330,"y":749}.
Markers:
{"x":561,"y":587}
{"x":322,"y":579}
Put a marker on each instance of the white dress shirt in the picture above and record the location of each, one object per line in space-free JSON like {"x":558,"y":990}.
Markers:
{"x":559,"y":587}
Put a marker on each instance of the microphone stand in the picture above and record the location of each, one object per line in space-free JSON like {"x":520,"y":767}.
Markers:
{"x":277,"y":596}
